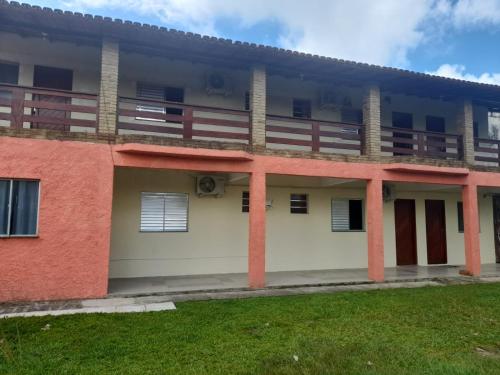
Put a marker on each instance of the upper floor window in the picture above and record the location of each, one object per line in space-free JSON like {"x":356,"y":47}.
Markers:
{"x":18,"y":207}
{"x":9,"y":73}
{"x":298,"y":204}
{"x":164,"y":212}
{"x":301,"y":108}
{"x":160,"y":93}
{"x":247,"y":100}
{"x":351,"y":116}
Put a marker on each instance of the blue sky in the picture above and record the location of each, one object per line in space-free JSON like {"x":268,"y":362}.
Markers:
{"x":454,"y":38}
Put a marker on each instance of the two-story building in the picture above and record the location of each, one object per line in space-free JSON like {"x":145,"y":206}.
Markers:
{"x":139,"y":159}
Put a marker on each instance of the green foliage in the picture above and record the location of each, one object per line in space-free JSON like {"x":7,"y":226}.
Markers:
{"x":435,"y":330}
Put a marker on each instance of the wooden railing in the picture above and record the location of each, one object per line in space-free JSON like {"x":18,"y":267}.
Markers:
{"x":36,"y":108}
{"x":176,"y":120}
{"x":487,"y":151}
{"x":421,"y":143}
{"x":313,"y":135}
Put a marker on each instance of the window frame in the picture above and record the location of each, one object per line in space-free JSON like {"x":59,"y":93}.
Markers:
{"x":308,"y":102}
{"x":245,"y":196}
{"x":306,"y":207}
{"x":163,"y":194}
{"x":363,"y":221}
{"x":9,"y":214}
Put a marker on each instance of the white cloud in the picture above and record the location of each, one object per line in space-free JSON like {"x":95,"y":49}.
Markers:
{"x":458,"y":71}
{"x":374,"y":31}
{"x":379,"y":32}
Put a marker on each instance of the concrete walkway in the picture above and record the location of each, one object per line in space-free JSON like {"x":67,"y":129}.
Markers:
{"x":176,"y":284}
{"x":160,"y":301}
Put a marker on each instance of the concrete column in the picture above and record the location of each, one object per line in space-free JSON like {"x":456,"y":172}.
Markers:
{"x":465,"y":126}
{"x":375,"y":230}
{"x":258,"y":106}
{"x":257,"y":231}
{"x":371,"y":121}
{"x":471,"y":230}
{"x":108,"y":91}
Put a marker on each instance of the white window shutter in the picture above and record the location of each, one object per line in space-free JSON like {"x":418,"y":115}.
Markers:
{"x":340,"y":215}
{"x":164,"y":212}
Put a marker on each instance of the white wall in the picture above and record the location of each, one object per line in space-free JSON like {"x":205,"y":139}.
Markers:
{"x":218,"y":230}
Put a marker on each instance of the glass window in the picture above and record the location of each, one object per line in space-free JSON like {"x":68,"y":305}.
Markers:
{"x":347,"y":215}
{"x":18,"y":207}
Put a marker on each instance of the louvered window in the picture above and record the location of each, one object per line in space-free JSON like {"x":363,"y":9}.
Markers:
{"x":245,"y":201}
{"x":164,"y":212}
{"x":347,"y":215}
{"x":298,"y":204}
{"x":18,"y":207}
{"x":153,"y":92}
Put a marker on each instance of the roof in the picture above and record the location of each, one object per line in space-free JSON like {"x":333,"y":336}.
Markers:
{"x":32,"y":20}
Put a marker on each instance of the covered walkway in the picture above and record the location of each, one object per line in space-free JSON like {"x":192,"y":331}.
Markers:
{"x":174,"y":284}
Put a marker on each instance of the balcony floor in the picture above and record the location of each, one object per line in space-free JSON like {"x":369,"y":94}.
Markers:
{"x":175,"y":284}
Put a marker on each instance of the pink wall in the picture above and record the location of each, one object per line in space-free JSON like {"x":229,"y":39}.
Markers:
{"x":69,"y":259}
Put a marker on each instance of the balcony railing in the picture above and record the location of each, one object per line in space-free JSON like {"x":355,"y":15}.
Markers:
{"x":398,"y":141}
{"x":487,"y":152}
{"x":36,"y":108}
{"x":175,"y":120}
{"x":313,"y":135}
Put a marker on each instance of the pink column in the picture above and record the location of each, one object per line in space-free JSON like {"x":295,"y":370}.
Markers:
{"x":471,"y":230}
{"x":375,"y":230}
{"x":257,"y":233}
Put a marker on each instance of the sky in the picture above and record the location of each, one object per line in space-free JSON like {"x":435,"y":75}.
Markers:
{"x":452,"y":38}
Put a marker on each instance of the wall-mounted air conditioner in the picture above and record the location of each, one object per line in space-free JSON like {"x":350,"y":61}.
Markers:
{"x":210,"y":185}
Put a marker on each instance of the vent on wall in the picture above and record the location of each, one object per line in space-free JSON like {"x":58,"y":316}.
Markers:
{"x":218,"y":84}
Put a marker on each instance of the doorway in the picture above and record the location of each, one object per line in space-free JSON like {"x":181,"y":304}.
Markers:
{"x":435,"y":225}
{"x":52,"y":78}
{"x":496,"y":225}
{"x":406,"y":232}
{"x":402,"y":121}
{"x":436,"y":145}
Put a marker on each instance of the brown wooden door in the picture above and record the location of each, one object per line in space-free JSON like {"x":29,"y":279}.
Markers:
{"x":52,"y":78}
{"x":435,"y":225}
{"x":496,"y":223}
{"x":406,"y":232}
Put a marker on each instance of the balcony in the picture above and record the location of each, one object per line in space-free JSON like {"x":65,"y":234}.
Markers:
{"x":181,"y":121}
{"x":313,"y":135}
{"x":425,"y":144}
{"x":34,"y":108}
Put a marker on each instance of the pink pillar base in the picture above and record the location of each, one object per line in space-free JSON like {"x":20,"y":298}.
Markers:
{"x":375,"y":230}
{"x":257,"y":231}
{"x":471,"y":230}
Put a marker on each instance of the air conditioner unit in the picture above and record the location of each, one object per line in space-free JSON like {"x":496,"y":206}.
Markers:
{"x":327,"y":99}
{"x":388,"y":193}
{"x":217,"y":84}
{"x":208,"y":185}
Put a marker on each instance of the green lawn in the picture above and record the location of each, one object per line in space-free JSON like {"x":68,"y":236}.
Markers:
{"x":435,"y":330}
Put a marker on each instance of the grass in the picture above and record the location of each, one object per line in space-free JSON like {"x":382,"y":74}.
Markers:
{"x":435,"y":330}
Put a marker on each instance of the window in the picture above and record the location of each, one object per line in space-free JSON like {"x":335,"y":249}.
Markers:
{"x":18,"y":207}
{"x":460,"y":216}
{"x":164,"y":212}
{"x":347,"y":215}
{"x":298,"y":203}
{"x":301,"y":108}
{"x":9,"y":73}
{"x":475,"y":129}
{"x":160,"y":93}
{"x":351,"y":116}
{"x":245,"y":201}
{"x":247,"y":101}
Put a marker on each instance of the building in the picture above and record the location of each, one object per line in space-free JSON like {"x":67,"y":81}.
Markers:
{"x":134,"y":156}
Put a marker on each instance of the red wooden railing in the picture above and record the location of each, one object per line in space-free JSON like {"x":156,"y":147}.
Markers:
{"x":487,"y":151}
{"x":30,"y":107}
{"x":421,"y":143}
{"x":314,"y":135}
{"x":141,"y":116}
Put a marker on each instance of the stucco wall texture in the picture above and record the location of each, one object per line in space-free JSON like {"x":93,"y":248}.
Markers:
{"x":69,"y":259}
